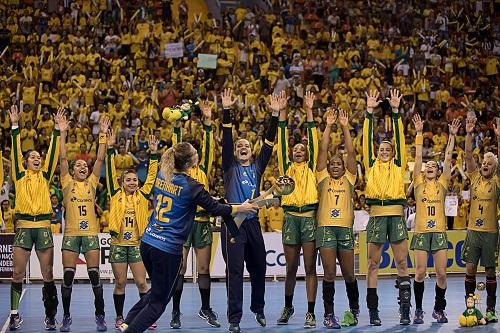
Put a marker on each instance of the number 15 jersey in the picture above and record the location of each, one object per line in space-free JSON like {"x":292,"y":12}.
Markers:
{"x":79,"y":204}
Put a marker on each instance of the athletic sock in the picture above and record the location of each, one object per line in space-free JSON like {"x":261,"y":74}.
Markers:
{"x":352,"y":294}
{"x":119,"y":300}
{"x":310,"y":306}
{"x":16,"y":289}
{"x":491,"y":291}
{"x":470,"y":284}
{"x":204,"y":286}
{"x":328,"y":295}
{"x":141,"y":295}
{"x":50,"y":302}
{"x":288,"y":301}
{"x":176,"y":299}
{"x":372,"y":298}
{"x":418,"y":289}
{"x":440,"y":301}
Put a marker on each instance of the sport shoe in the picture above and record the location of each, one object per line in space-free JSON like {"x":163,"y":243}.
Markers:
{"x":310,"y":320}
{"x":118,"y":322}
{"x":404,"y":316}
{"x":15,"y":322}
{"x":374,"y":317}
{"x":66,"y":324}
{"x":440,"y":316}
{"x":234,"y":328}
{"x":331,"y":321}
{"x":286,"y":314}
{"x":101,"y":323}
{"x":350,"y":318}
{"x":491,"y":316}
{"x":260,"y":319}
{"x":175,"y":323}
{"x":50,"y":323}
{"x":419,"y":316}
{"x":123,"y":327}
{"x":210,"y":316}
{"x":153,"y":326}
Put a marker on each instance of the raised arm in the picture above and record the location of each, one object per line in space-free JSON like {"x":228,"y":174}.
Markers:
{"x":207,"y":145}
{"x":349,"y":146}
{"x":104,"y":125}
{"x":227,"y":129}
{"x":470,"y":163}
{"x":49,"y":167}
{"x":267,"y":149}
{"x":147,"y":188}
{"x":282,"y":151}
{"x":453,"y":129}
{"x":63,"y":127}
{"x":111,"y":181}
{"x":16,"y":153}
{"x":398,"y":129}
{"x":177,"y":133}
{"x":419,"y":126}
{"x":331,"y":118}
{"x":312,"y":135}
{"x":497,"y":132}
{"x":372,"y":102}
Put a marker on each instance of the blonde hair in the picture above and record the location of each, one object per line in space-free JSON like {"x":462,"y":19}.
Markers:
{"x":490,"y":155}
{"x":178,"y":157}
{"x":167,"y":164}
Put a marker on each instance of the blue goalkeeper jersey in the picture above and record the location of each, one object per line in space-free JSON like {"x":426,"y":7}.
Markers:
{"x":174,"y":210}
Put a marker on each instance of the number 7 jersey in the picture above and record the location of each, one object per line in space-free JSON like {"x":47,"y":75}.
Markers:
{"x":79,"y":204}
{"x":484,"y":195}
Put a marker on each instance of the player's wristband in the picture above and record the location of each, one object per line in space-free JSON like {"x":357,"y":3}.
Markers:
{"x":15,"y":127}
{"x":419,"y":139}
{"x":103,"y":139}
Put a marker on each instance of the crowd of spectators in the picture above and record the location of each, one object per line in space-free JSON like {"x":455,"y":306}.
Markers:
{"x":103,"y":57}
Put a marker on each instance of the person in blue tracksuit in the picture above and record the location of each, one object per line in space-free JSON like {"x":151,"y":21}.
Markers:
{"x":176,"y":197}
{"x":242,"y":175}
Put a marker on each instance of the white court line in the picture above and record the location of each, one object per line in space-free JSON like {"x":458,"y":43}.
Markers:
{"x":6,"y":325}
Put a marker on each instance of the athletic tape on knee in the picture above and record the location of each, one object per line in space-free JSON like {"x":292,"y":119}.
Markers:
{"x":94,"y":276}
{"x":404,"y":291}
{"x":68,"y":277}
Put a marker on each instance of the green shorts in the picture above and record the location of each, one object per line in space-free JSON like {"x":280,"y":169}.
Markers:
{"x":336,"y":238}
{"x":40,"y":237}
{"x":429,"y":241}
{"x":480,"y":246}
{"x":200,"y":236}
{"x":80,"y":244}
{"x":381,"y":228}
{"x":124,"y":254}
{"x":298,"y":229}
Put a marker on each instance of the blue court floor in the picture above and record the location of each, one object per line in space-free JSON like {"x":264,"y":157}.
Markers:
{"x":82,"y":308}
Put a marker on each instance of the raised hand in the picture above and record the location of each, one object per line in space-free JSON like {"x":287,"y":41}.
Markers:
{"x":61,"y":123}
{"x":470,"y":123}
{"x":418,"y":122}
{"x":227,"y":98}
{"x":331,"y":116}
{"x":278,"y":101}
{"x":14,"y":115}
{"x":497,"y":128}
{"x":111,"y":137}
{"x":206,"y":110}
{"x":153,"y":143}
{"x":343,"y":118}
{"x":395,"y":99}
{"x":104,"y":124}
{"x":309,"y":100}
{"x":455,"y":125}
{"x":372,"y":100}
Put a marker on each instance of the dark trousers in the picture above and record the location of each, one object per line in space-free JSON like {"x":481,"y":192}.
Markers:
{"x":163,"y":269}
{"x":248,"y":248}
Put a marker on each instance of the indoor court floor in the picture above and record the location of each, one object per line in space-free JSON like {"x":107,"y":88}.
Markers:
{"x":82,"y":308}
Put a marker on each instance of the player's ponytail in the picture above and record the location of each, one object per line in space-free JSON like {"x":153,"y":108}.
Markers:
{"x":167,"y":164}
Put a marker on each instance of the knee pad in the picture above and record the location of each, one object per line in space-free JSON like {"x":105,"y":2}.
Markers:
{"x":94,"y":276}
{"x":68,"y":277}
{"x":404,"y":291}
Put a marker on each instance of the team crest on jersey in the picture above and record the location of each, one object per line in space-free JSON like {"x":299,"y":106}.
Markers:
{"x":127,"y":235}
{"x":335,"y":213}
{"x":84,"y":225}
{"x":431,"y":224}
{"x":479,"y":223}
